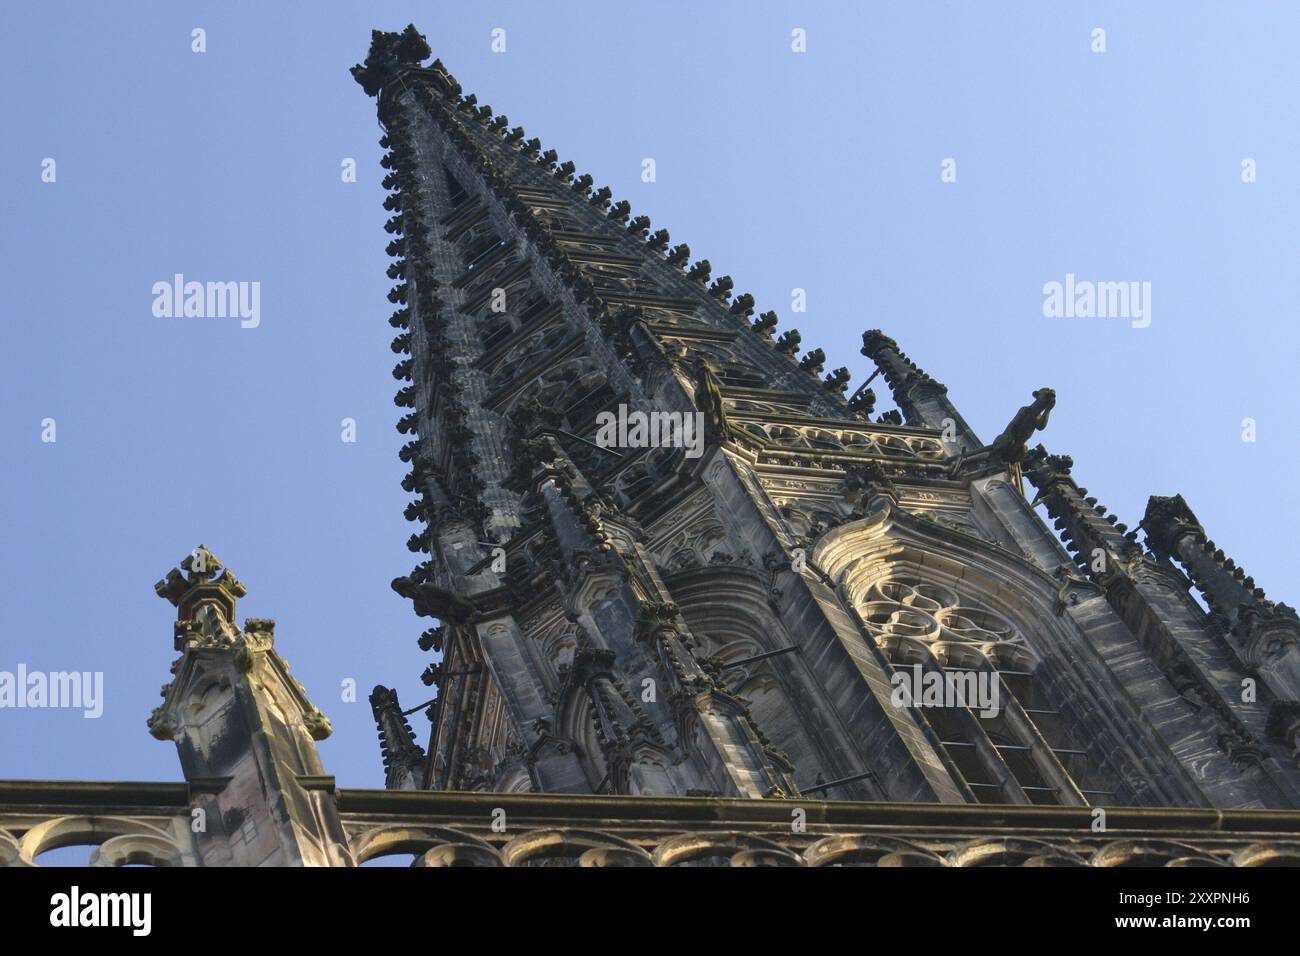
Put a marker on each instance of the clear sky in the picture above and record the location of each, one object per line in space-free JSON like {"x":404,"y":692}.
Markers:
{"x":818,"y":170}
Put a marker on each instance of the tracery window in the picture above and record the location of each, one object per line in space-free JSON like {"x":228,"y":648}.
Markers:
{"x":974,"y":679}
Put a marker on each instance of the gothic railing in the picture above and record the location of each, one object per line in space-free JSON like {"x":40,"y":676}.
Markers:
{"x":495,"y":829}
{"x":118,"y":823}
{"x":153,"y":823}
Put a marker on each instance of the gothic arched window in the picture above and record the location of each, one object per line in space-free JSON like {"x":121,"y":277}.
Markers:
{"x":969,"y":672}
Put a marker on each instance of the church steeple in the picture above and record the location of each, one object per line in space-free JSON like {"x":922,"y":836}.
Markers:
{"x":670,"y":553}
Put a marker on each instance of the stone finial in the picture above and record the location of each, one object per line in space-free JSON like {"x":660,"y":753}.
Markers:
{"x":1045,"y":468}
{"x":904,"y":376}
{"x":201,"y":581}
{"x":1168,"y":518}
{"x":390,"y":53}
{"x":1173,"y":532}
{"x":875,"y":341}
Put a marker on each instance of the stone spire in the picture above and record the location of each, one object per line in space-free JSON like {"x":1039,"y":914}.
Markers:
{"x":623,"y":615}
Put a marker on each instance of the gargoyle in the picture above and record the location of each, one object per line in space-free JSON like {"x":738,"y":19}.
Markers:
{"x":1011,"y":446}
{"x":433,"y":601}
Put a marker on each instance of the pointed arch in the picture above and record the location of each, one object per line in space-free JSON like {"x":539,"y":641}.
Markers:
{"x":948,"y":611}
{"x":729,"y":610}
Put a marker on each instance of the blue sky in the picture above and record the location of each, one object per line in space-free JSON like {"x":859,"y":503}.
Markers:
{"x":818,"y":170}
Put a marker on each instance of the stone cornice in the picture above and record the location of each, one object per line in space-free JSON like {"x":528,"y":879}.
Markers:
{"x":719,"y":811}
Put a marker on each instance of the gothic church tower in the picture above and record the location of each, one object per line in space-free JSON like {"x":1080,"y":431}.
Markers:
{"x":727,"y":616}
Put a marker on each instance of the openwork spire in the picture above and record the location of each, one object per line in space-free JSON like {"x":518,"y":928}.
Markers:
{"x":544,"y":334}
